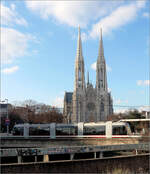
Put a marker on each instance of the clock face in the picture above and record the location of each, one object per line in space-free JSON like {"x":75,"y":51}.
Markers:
{"x":90,"y":106}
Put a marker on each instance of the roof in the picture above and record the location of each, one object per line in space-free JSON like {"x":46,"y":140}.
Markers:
{"x":68,"y":97}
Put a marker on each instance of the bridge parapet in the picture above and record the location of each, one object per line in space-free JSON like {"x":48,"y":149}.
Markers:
{"x":70,"y":150}
{"x":45,"y":142}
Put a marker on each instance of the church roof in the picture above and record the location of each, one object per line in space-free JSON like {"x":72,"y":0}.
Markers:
{"x":68,"y":97}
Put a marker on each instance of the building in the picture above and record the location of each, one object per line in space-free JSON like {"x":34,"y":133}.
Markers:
{"x":88,"y":103}
{"x":67,"y":110}
{"x":5,"y":108}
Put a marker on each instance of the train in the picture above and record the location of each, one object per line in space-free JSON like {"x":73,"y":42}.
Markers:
{"x":54,"y":130}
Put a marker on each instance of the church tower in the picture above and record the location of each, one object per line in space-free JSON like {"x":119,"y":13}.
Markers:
{"x":104,"y":101}
{"x":79,"y":85}
{"x":101,"y":76}
{"x":88,"y":103}
{"x":79,"y":67}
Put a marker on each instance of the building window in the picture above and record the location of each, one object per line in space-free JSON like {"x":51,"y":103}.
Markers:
{"x":66,"y":130}
{"x":94,"y":130}
{"x":79,"y":74}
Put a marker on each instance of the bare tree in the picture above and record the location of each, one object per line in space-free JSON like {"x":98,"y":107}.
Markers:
{"x":17,"y":103}
{"x":29,"y":103}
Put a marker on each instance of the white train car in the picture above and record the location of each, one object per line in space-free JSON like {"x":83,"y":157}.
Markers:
{"x":106,"y":129}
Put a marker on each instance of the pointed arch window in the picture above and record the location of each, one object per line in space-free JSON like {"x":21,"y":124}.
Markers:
{"x":102,"y":105}
{"x":102,"y":72}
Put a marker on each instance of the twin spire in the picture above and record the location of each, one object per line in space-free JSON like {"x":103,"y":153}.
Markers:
{"x":101,"y":48}
{"x":101,"y":69}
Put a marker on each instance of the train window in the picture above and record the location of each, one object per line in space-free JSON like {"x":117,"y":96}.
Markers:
{"x":94,"y":130}
{"x":18,"y":131}
{"x":39,"y":131}
{"x":70,"y":130}
{"x":119,"y":130}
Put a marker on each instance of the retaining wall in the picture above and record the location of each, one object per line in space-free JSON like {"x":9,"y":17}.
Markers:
{"x":132,"y":164}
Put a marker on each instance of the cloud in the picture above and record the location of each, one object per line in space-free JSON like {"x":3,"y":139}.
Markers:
{"x":118,"y":18}
{"x":58,"y":102}
{"x":10,"y":17}
{"x":110,"y":15}
{"x":10,"y":70}
{"x":143,"y":82}
{"x":72,"y":13}
{"x":14,"y":44}
{"x":108,"y":68}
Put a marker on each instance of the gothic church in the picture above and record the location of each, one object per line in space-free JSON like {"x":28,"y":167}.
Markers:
{"x":88,"y":103}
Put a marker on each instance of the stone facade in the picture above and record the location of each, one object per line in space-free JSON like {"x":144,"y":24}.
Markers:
{"x":88,"y":103}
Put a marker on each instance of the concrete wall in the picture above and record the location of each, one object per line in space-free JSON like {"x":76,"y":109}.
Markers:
{"x":42,"y":142}
{"x":132,"y":164}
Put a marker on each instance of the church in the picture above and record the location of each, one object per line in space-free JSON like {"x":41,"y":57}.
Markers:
{"x":88,"y":103}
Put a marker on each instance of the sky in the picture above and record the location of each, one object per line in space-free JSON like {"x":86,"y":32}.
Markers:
{"x":39,"y":42}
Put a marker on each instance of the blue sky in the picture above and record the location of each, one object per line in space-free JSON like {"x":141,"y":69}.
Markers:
{"x":39,"y":41}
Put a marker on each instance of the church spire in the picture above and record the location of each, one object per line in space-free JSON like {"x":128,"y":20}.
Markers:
{"x":79,"y":45}
{"x":101,"y":48}
{"x":101,"y":76}
{"x":79,"y":65}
